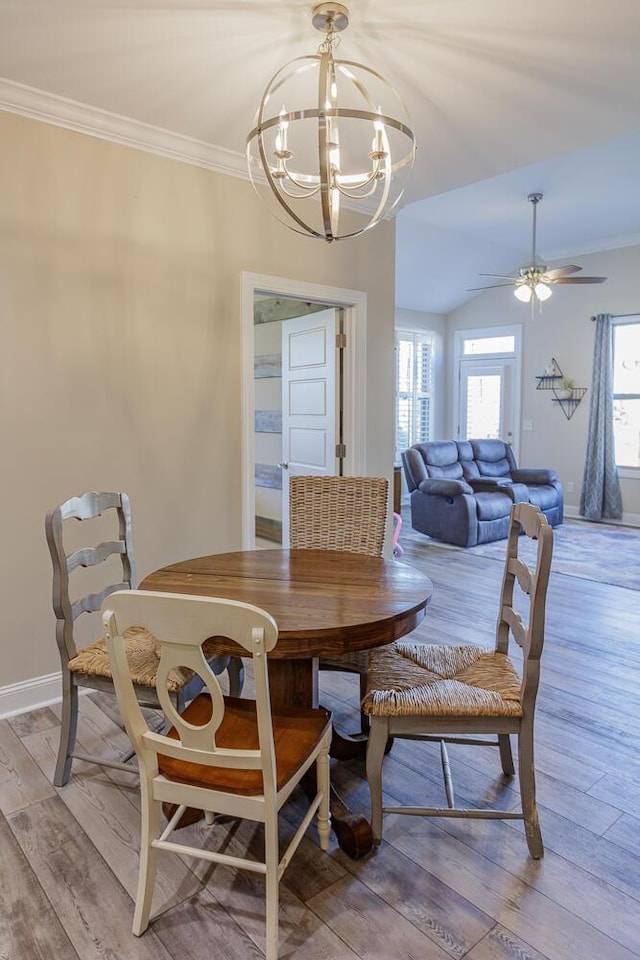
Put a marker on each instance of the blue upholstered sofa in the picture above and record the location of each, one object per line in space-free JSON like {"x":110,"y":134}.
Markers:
{"x":462,"y":490}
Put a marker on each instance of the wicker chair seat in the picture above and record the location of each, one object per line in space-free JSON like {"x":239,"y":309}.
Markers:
{"x":142,"y":650}
{"x":414,"y":679}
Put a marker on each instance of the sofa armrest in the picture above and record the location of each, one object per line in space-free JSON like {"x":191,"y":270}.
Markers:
{"x":535,"y":475}
{"x":439,"y":486}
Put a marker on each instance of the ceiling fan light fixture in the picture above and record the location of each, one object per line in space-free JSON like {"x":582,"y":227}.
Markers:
{"x":542,"y":291}
{"x":523,"y":292}
{"x":332,"y":148}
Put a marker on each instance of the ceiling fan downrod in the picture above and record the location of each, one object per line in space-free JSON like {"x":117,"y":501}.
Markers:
{"x":534,"y":199}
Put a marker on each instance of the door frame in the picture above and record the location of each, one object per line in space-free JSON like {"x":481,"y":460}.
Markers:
{"x":479,"y":333}
{"x":354,"y":303}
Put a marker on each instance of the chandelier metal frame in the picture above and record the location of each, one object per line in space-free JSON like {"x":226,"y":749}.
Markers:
{"x":329,"y":184}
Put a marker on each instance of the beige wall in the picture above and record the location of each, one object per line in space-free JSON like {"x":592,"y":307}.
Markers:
{"x":562,"y":330}
{"x":120,"y":305}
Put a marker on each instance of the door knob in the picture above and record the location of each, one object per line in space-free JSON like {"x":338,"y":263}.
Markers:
{"x":284,"y":465}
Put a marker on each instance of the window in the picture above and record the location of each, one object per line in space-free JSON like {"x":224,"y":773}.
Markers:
{"x":626,"y":391}
{"x":414,"y":388}
{"x":489,"y":345}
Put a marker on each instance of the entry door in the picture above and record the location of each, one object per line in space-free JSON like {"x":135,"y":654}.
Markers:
{"x":486,"y":400}
{"x":308,"y":401}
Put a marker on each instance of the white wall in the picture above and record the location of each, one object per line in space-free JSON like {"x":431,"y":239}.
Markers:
{"x":120,"y":288}
{"x":563,"y":329}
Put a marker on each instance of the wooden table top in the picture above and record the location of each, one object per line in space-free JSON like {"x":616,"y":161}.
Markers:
{"x":324,"y":602}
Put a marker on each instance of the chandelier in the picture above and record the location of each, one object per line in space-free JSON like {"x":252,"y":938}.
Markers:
{"x":331,"y":143}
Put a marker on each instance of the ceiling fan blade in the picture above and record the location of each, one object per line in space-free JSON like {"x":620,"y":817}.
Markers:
{"x":499,"y":276}
{"x":490,"y":287}
{"x":562,"y":271}
{"x":579,"y":280}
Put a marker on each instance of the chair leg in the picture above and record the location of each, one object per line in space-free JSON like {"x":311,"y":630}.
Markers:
{"x":67,"y":730}
{"x":378,"y":736}
{"x":526,"y":773}
{"x":235,"y":670}
{"x":149,"y":829}
{"x":272,"y":886}
{"x":506,"y":756}
{"x":322,"y":779}
{"x":364,"y":719}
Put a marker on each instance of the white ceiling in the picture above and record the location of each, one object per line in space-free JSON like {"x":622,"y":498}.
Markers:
{"x":506,"y":97}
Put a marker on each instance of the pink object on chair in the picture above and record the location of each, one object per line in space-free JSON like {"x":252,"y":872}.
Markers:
{"x":397,"y":527}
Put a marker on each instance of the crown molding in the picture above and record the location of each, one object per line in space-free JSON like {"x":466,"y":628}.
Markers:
{"x":73,"y":115}
{"x":82,"y":118}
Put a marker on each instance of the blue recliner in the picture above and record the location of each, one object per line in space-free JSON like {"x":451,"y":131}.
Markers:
{"x":462,"y":491}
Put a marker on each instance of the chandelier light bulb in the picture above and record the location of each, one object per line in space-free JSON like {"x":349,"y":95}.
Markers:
{"x":335,"y":161}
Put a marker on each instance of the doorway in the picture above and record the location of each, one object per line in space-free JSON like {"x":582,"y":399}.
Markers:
{"x":487,"y":384}
{"x":264,"y":415}
{"x":298,"y":403}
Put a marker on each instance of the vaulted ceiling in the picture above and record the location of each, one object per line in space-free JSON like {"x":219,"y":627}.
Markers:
{"x":506,"y":97}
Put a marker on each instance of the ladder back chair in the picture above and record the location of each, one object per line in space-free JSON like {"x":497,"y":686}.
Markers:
{"x":340,"y":513}
{"x":445,"y":693}
{"x":89,"y":666}
{"x":223,"y":755}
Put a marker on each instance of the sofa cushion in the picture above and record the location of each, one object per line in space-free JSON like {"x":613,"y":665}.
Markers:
{"x":543,"y":496}
{"x":493,"y":458}
{"x":493,"y":506}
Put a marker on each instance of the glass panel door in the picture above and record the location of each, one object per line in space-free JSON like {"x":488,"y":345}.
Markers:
{"x":486,"y":406}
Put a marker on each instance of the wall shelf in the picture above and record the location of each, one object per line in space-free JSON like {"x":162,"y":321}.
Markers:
{"x":552,"y":380}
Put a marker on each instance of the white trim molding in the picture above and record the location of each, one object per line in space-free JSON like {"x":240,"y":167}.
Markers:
{"x":30,"y":694}
{"x":355,"y":375}
{"x":73,"y":115}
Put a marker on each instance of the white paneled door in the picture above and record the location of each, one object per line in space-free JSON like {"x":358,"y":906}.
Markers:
{"x":308,"y":401}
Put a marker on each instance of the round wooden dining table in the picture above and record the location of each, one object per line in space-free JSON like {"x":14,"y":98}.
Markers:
{"x":325,"y":603}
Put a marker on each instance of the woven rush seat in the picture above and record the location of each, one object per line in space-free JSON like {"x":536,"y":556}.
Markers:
{"x":415,"y":679}
{"x":143,"y":657}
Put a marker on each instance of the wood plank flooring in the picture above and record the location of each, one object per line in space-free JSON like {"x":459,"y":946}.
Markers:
{"x":434,"y":890}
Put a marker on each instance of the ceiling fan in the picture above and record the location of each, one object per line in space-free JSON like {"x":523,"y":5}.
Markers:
{"x":534,"y":281}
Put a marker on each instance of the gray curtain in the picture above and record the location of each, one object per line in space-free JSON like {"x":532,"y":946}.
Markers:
{"x":600,"y":498}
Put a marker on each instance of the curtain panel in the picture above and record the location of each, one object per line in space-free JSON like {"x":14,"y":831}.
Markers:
{"x":600,"y":498}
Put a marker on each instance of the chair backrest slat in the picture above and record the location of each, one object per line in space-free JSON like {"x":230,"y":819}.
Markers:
{"x":89,"y":506}
{"x":91,"y":556}
{"x":338,"y":513}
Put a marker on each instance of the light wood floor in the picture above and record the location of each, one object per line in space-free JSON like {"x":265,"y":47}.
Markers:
{"x":434,"y":889}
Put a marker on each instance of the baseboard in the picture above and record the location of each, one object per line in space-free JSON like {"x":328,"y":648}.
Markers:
{"x":628,"y":519}
{"x":268,"y":529}
{"x":30,"y":695}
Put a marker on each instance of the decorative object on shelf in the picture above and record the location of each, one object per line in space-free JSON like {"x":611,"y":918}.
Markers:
{"x":332,"y":140}
{"x":565,"y":393}
{"x":534,"y":281}
{"x":567,"y":387}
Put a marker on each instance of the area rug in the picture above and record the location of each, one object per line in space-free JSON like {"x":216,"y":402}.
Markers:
{"x":602,"y":552}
